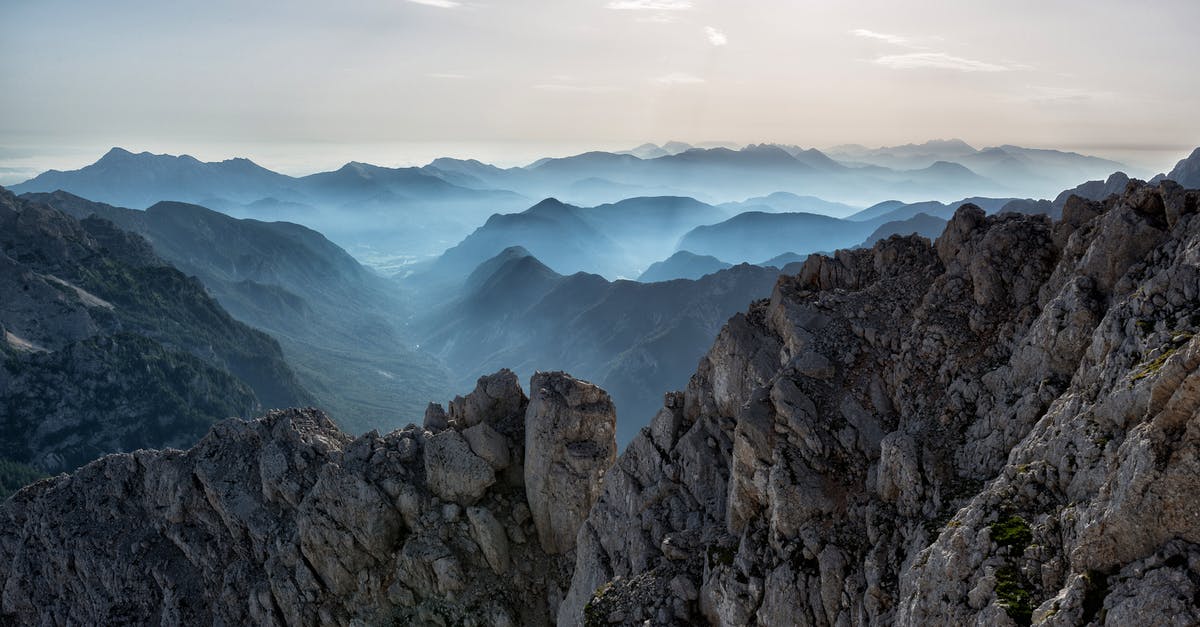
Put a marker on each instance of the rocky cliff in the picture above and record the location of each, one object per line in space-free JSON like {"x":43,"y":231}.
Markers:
{"x":999,"y":427}
{"x":286,"y":520}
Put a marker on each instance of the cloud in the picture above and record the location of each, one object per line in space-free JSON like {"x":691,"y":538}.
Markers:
{"x":1057,"y":95}
{"x":582,"y":89}
{"x":447,"y":75}
{"x":715,"y":37}
{"x":895,"y":40}
{"x":441,"y":4}
{"x":678,"y":78}
{"x":649,"y":5}
{"x":938,"y":61}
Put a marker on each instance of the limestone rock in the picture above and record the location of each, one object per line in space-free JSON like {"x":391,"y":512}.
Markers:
{"x":1005,"y":432}
{"x":489,"y":534}
{"x":454,"y":472}
{"x":488,"y":444}
{"x":570,"y":441}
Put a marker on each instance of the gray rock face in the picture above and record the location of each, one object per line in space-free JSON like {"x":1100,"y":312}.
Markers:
{"x":570,"y":441}
{"x":453,"y":471}
{"x":285,"y":520}
{"x":1001,"y":427}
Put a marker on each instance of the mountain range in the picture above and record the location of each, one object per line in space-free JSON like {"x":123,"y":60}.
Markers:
{"x":108,"y":348}
{"x":637,"y":339}
{"x":341,"y":326}
{"x":366,"y":208}
{"x":389,"y":217}
{"x":615,"y":240}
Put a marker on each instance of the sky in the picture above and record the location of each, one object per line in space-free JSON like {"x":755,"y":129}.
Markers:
{"x":302,"y":86}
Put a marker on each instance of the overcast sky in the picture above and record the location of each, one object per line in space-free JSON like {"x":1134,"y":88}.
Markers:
{"x":302,"y":85}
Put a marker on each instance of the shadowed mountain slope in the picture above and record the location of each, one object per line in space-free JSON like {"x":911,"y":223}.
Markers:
{"x":340,"y":325}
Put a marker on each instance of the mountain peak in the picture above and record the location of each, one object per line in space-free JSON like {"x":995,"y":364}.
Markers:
{"x":116,"y":154}
{"x":548,"y":204}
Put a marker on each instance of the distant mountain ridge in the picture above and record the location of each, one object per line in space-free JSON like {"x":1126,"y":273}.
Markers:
{"x":106,"y":348}
{"x":617,"y":239}
{"x":322,"y":305}
{"x":633,"y":337}
{"x":682,"y":265}
{"x":387,"y":198}
{"x":364,"y":207}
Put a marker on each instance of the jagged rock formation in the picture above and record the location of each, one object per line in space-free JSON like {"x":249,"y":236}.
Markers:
{"x":1000,"y":427}
{"x":569,"y":444}
{"x":997,"y":429}
{"x":288,"y":520}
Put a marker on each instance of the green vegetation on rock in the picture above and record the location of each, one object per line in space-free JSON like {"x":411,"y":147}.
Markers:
{"x":1012,"y":531}
{"x":14,"y":476}
{"x":1013,"y":596}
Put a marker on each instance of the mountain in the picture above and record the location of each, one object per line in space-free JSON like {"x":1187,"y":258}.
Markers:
{"x":682,"y":265}
{"x":1093,"y":190}
{"x":921,"y":224}
{"x":648,"y":227}
{"x":784,"y":260}
{"x":615,"y":240}
{"x":391,"y":217}
{"x":999,"y":428}
{"x":906,"y":156}
{"x":106,"y":348}
{"x":892,"y":210}
{"x":754,"y":235}
{"x":876,"y":211}
{"x":1187,"y":171}
{"x":139,"y":180}
{"x":368,"y":209}
{"x":653,"y":151}
{"x":340,"y":325}
{"x":553,"y":230}
{"x":635,"y":339}
{"x":1030,"y":171}
{"x":785,"y":202}
{"x":723,"y":174}
{"x":646,"y":151}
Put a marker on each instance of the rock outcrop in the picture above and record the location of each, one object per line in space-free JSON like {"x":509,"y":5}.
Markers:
{"x":1000,"y":427}
{"x":569,"y":444}
{"x":286,"y":520}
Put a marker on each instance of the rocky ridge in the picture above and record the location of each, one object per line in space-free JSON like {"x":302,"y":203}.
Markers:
{"x":999,"y":427}
{"x":286,"y":520}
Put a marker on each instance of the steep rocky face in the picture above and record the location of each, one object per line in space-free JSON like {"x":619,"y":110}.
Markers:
{"x":104,"y":347}
{"x":287,"y":520}
{"x":998,"y":429}
{"x":568,"y":446}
